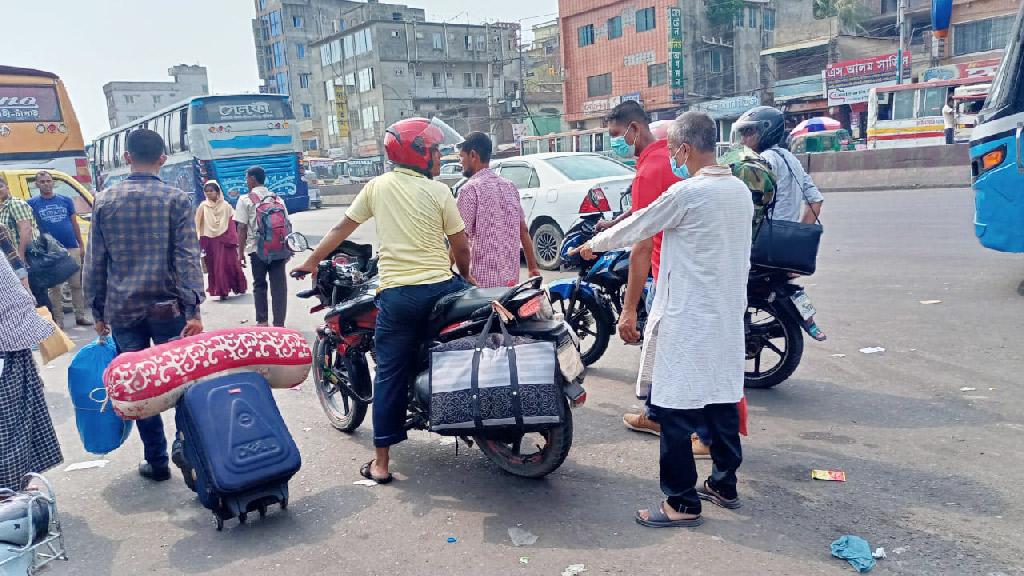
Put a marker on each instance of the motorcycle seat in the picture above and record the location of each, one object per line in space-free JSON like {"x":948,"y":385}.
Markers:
{"x":459,"y":306}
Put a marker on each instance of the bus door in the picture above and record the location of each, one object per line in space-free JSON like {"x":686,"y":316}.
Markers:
{"x":997,"y":164}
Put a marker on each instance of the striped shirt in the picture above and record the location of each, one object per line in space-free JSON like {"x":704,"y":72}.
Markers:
{"x":490,"y":207}
{"x":20,"y":327}
{"x":143,"y":250}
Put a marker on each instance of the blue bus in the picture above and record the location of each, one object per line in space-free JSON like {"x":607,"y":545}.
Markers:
{"x":997,"y":164}
{"x":217,"y":138}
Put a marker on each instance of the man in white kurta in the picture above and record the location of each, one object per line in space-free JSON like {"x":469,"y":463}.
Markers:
{"x":696,"y":326}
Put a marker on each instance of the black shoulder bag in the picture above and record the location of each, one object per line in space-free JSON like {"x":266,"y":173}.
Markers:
{"x":785,"y":245}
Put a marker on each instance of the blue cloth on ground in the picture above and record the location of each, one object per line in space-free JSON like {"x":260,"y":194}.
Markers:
{"x":854,"y":550}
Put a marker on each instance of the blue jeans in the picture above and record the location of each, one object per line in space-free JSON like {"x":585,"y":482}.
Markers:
{"x":139,"y":337}
{"x":402,"y":322}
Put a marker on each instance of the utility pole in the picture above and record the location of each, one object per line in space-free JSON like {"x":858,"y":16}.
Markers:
{"x":901,"y":22}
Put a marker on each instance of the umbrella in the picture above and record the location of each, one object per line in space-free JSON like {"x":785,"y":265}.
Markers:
{"x":817,"y":124}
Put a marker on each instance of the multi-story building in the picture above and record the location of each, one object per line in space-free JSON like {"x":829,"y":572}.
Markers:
{"x":383,"y":69}
{"x":129,"y":101}
{"x":542,"y":80}
{"x":667,"y":54}
{"x":283,"y":31}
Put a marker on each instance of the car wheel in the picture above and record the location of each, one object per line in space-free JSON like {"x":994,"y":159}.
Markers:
{"x":547,"y":242}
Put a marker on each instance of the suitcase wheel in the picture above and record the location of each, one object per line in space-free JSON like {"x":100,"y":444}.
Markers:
{"x":242,"y":517}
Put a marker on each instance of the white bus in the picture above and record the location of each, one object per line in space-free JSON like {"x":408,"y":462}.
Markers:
{"x":217,"y":138}
{"x":910,"y":115}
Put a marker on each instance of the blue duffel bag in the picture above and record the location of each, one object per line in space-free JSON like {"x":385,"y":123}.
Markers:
{"x":100,"y":429}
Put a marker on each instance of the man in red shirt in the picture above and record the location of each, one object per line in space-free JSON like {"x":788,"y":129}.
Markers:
{"x":629,"y":127}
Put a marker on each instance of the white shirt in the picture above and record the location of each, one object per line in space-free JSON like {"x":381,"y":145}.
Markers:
{"x":696,"y":324}
{"x":793,"y":186}
{"x":948,"y":117}
{"x":245,"y":213}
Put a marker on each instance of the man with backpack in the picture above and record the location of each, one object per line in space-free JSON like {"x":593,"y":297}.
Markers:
{"x":263,"y":224}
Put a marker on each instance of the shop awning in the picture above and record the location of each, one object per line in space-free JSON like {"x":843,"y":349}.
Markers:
{"x":813,"y":43}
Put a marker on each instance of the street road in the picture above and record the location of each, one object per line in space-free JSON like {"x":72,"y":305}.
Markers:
{"x":933,"y":471}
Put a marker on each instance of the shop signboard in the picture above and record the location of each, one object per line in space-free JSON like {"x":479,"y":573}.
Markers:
{"x":850,"y":81}
{"x":675,"y":53}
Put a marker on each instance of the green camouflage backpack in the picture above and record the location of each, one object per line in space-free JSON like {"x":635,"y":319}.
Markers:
{"x":757,"y":174}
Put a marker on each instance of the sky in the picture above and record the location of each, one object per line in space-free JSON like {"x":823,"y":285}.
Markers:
{"x":90,"y":43}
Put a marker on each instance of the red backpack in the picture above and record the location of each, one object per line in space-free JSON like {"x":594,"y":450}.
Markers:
{"x":272,"y":227}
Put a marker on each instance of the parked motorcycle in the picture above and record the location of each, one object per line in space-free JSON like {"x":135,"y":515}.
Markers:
{"x":777,"y":310}
{"x":346,"y":285}
{"x":592,"y":302}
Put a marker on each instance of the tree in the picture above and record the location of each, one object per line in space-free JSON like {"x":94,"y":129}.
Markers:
{"x":723,"y":12}
{"x":850,"y":13}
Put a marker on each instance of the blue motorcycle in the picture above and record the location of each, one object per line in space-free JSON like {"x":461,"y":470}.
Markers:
{"x":592,"y":302}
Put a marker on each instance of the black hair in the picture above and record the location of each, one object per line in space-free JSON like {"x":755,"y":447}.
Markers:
{"x":145,"y":146}
{"x":258,"y":174}
{"x":480,"y":143}
{"x":628,"y":112}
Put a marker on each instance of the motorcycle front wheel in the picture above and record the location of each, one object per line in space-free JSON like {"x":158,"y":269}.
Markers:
{"x":345,"y":412}
{"x":775,"y":345}
{"x":533,"y":455}
{"x":592,"y":322}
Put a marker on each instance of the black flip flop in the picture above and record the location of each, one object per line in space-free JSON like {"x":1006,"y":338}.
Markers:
{"x":707,"y":493}
{"x":365,"y":473}
{"x":656,"y":518}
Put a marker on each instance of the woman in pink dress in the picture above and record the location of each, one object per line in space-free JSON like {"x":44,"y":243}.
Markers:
{"x":219,"y":242}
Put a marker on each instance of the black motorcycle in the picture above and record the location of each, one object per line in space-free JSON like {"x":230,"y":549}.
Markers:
{"x":346,"y":285}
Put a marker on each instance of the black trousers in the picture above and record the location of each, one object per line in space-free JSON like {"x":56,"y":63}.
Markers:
{"x":948,"y":132}
{"x":678,"y":470}
{"x":278,"y":281}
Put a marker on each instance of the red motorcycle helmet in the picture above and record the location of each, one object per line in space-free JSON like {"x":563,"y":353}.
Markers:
{"x":409,"y":142}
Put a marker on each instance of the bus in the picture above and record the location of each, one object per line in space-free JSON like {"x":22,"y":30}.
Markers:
{"x":910,"y":115}
{"x":38,"y":126}
{"x":217,"y":138}
{"x":997,"y":165}
{"x":968,"y":101}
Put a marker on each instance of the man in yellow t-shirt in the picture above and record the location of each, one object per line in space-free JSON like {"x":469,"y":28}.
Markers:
{"x":414,"y":214}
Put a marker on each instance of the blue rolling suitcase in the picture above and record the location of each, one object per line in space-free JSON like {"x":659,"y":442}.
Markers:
{"x":233,"y":446}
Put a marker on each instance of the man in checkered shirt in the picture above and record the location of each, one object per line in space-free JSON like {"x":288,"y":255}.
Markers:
{"x":142,"y":275}
{"x":495,"y":225}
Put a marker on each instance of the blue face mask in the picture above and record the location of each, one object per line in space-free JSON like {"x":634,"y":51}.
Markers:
{"x":681,"y":172}
{"x":621,"y":148}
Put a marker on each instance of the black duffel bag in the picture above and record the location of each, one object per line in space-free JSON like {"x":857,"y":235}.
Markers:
{"x":785,"y":245}
{"x":49,"y":262}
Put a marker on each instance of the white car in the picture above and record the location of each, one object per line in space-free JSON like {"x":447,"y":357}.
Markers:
{"x":557,"y":188}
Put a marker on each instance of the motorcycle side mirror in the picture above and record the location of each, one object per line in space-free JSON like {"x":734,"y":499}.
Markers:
{"x":297,"y":242}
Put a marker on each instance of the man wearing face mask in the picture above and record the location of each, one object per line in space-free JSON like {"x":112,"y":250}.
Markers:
{"x":629,"y":127}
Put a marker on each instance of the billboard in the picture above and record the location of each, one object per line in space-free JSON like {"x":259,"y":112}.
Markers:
{"x":850,"y":81}
{"x":341,"y":109}
{"x":675,"y":53}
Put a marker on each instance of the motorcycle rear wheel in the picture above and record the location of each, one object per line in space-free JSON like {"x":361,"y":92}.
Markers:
{"x":592,"y":323}
{"x":507,"y":452}
{"x":768,"y":329}
{"x":345,"y":412}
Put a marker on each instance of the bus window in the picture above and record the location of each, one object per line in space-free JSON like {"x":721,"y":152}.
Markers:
{"x":903,"y":104}
{"x":932,"y":101}
{"x":181,"y":129}
{"x":117,"y":150}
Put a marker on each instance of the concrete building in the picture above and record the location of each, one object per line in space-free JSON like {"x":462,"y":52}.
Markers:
{"x":667,"y":54}
{"x":542,"y":81}
{"x":283,"y":31}
{"x":385,"y":68}
{"x":129,"y":101}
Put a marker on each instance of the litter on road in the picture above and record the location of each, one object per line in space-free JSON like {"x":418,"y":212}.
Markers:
{"x":524,"y":559}
{"x":854,"y":550}
{"x":968,"y":389}
{"x":452,"y":540}
{"x":365,"y":482}
{"x":929,"y":302}
{"x":87,"y":465}
{"x":874,"y":350}
{"x":522,"y":537}
{"x":879,"y":553}
{"x":574,"y":569}
{"x":829,"y":475}
{"x":839,"y":355}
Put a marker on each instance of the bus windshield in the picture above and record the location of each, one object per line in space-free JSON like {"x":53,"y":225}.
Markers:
{"x":1004,"y":88}
{"x":222,"y":109}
